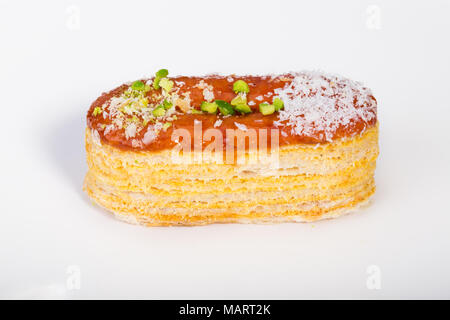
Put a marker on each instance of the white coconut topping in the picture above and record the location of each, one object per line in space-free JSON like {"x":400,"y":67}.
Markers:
{"x":241,"y":126}
{"x":318,"y":102}
{"x":130,"y":131}
{"x":108,"y":129}
{"x":150,"y":135}
{"x":202,"y":84}
{"x":315,"y":105}
{"x":208,"y":94}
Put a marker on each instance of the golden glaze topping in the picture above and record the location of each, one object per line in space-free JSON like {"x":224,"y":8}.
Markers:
{"x":318,"y":108}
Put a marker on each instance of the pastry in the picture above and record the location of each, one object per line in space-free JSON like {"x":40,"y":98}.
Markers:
{"x":220,"y":149}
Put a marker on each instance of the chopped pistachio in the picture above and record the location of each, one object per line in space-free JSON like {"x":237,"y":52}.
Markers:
{"x":243,"y":108}
{"x":144,"y":102}
{"x":161,"y":73}
{"x":278,"y":104}
{"x":159,"y":111}
{"x":210,"y":107}
{"x":97,"y":111}
{"x":166,"y":125}
{"x":138,"y":85}
{"x":266,"y":108}
{"x":240,"y":86}
{"x":166,"y":84}
{"x":224,"y":107}
{"x":167,"y":104}
{"x":156,"y":83}
{"x":239,"y":99}
{"x":240,"y":104}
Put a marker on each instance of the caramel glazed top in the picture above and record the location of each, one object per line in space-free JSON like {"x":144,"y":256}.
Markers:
{"x":306,"y":107}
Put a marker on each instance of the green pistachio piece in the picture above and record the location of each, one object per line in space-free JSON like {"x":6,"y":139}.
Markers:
{"x":167,"y":105}
{"x":243,"y":108}
{"x":144,"y":102}
{"x":97,"y":111}
{"x":156,"y":83}
{"x":138,"y":86}
{"x":240,"y":86}
{"x":266,"y":108}
{"x":162,"y":73}
{"x":166,"y":125}
{"x":159,"y":111}
{"x":210,"y":107}
{"x":166,"y":84}
{"x":278,"y":104}
{"x":239,"y":99}
{"x":225,"y":108}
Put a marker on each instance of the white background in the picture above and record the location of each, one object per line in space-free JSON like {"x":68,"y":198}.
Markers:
{"x":52,"y":69}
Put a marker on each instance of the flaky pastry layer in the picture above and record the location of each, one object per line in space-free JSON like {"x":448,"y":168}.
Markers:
{"x":309,"y":183}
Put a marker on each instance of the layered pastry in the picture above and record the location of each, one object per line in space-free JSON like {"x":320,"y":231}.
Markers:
{"x":220,"y":149}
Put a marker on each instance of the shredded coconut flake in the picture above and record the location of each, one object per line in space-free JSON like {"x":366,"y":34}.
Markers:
{"x":130,"y":131}
{"x":318,"y":102}
{"x":108,"y":129}
{"x":241,"y":126}
{"x":150,"y":135}
{"x":202,"y":84}
{"x":208,"y":94}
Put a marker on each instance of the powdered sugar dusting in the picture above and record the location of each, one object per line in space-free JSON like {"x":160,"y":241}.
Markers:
{"x":318,"y":102}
